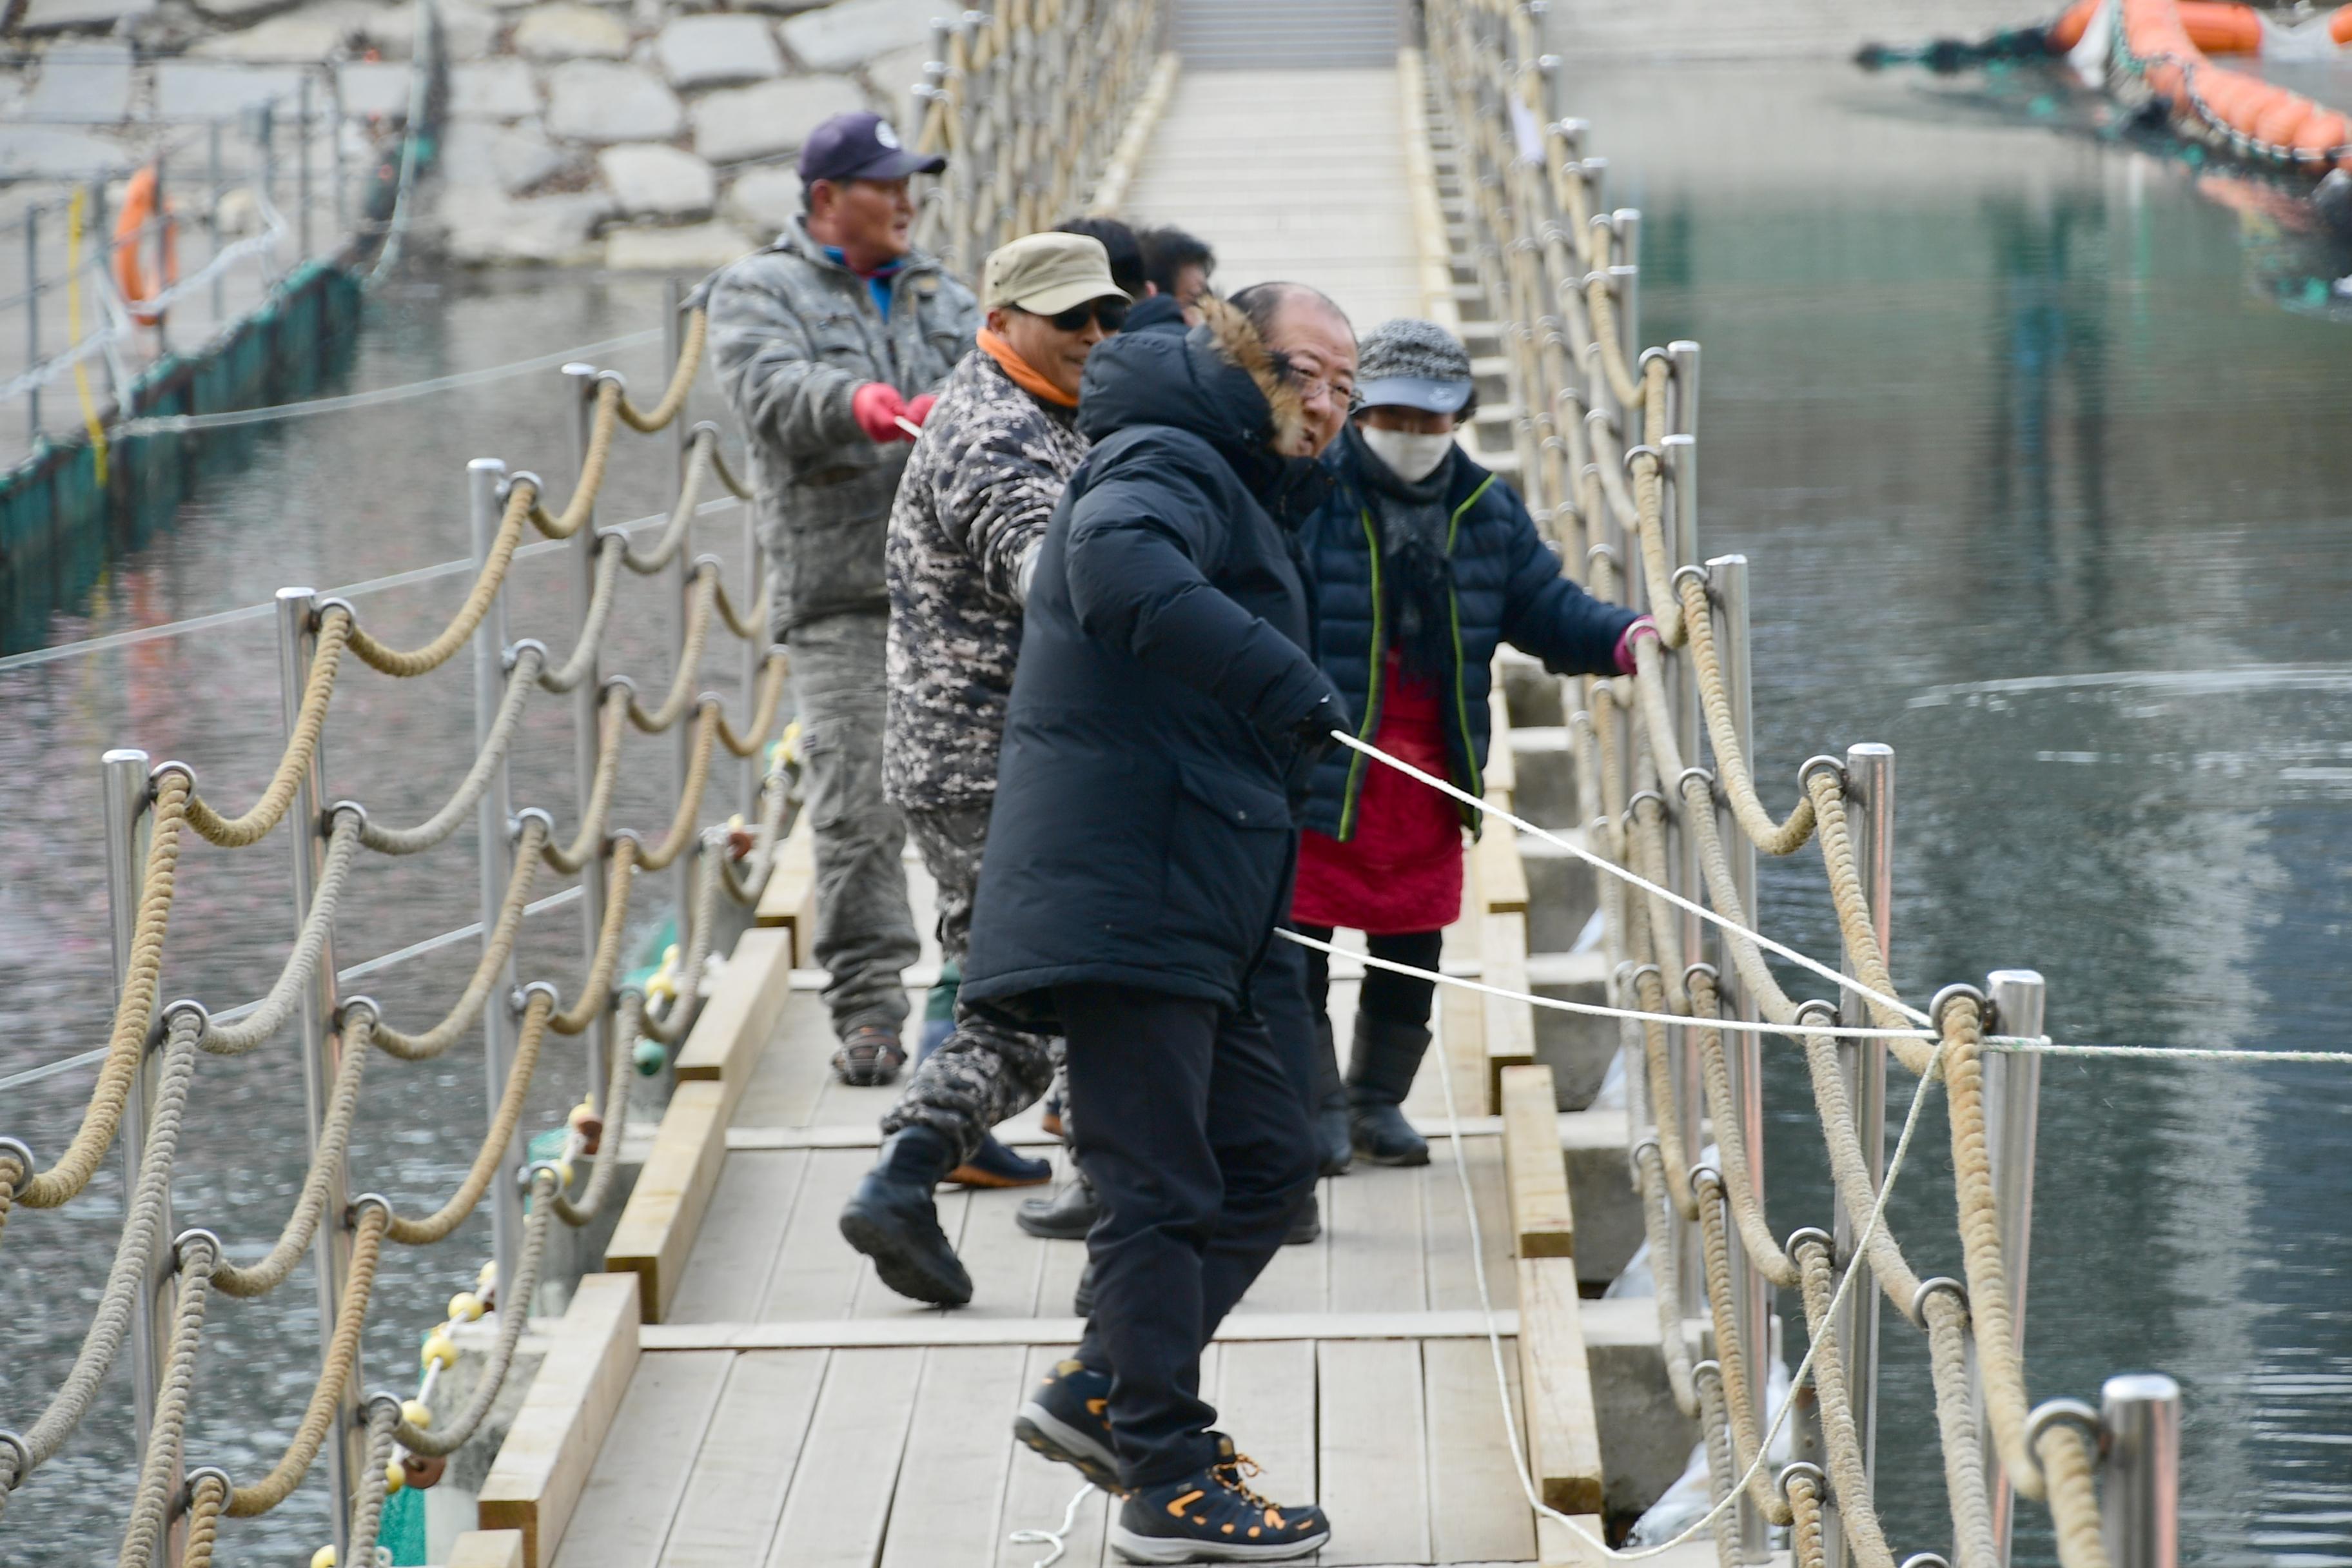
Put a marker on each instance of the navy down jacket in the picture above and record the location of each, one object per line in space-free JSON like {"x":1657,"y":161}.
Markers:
{"x":1506,"y":588}
{"x":1142,"y":832}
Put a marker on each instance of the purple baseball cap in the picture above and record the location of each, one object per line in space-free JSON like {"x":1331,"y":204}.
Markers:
{"x":861,"y":145}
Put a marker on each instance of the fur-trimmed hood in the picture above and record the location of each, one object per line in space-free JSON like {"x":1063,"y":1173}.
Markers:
{"x":1219,"y":381}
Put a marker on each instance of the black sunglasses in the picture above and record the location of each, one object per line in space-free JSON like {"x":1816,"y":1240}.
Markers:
{"x":1111,"y":312}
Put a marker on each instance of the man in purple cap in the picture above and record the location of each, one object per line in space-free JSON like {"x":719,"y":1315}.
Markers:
{"x":829,"y":344}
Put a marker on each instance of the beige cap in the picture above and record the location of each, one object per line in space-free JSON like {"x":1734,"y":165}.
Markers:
{"x":1047,"y":274}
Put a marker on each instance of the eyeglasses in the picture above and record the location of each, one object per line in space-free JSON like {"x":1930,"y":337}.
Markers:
{"x":1342,"y":394}
{"x":1111,"y":312}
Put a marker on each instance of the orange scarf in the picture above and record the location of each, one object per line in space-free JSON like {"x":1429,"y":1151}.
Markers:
{"x":1024,"y":377}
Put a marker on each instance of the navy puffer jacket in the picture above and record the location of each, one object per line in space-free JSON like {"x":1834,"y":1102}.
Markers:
{"x":1506,"y":588}
{"x":1142,"y":833}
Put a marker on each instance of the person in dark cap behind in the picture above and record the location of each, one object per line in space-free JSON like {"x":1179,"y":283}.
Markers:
{"x":829,"y":343}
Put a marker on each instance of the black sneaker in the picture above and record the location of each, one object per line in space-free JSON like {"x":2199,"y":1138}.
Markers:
{"x":1067,"y":1418}
{"x":1308,"y":1226}
{"x":893,"y":1220}
{"x":1068,"y":1215}
{"x":1211,"y":1516}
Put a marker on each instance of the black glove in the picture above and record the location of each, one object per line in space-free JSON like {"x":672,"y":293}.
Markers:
{"x":1310,"y":734}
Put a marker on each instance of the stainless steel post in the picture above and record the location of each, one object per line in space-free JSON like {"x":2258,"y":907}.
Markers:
{"x":1677,"y":462}
{"x":681,"y":874}
{"x":1625,"y":283}
{"x":1743,"y":1053}
{"x":2012,"y":1101}
{"x":485,"y":479}
{"x":122,"y":778}
{"x":336,"y":174}
{"x":32,"y":321}
{"x":1870,"y":791}
{"x":2139,"y":1483}
{"x":320,"y":1048}
{"x":163,"y":273}
{"x":302,"y":165}
{"x":587,"y":702}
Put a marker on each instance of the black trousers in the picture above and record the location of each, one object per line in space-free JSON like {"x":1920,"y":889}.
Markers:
{"x":1386,"y":996}
{"x":1191,"y":1122}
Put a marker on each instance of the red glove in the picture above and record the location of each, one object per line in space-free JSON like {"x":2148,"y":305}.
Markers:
{"x":1642,"y":626}
{"x":920,"y":410}
{"x":878,"y":408}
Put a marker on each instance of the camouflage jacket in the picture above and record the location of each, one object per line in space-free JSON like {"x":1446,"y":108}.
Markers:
{"x":978,"y":490}
{"x":792,"y":334}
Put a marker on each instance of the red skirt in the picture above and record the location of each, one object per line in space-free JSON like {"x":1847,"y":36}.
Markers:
{"x":1402,"y":872}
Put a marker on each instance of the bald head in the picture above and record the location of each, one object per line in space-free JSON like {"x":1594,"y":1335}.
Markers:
{"x":1316,"y":347}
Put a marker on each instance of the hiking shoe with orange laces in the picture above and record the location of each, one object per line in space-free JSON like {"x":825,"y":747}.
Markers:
{"x":1212,"y":1516}
{"x":1067,"y":1418}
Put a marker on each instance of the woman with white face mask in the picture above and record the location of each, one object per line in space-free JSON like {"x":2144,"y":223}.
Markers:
{"x":1423,"y":561}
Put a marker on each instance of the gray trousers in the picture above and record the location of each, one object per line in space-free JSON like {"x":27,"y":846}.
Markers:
{"x":984,"y":1072}
{"x":865,"y":927}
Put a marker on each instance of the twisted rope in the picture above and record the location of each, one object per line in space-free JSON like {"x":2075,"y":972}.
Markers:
{"x":596,"y":990}
{"x":514,"y":1316}
{"x":301,"y":966}
{"x":530,"y":660}
{"x":1849,"y":1474}
{"x":302,"y":747}
{"x":410,"y":662}
{"x":490,"y":1154}
{"x":689,"y":798}
{"x":497,"y":949}
{"x":326,"y":1165}
{"x":610,"y":555}
{"x":207,"y":1498}
{"x":681,"y":380}
{"x":1964,"y":1478}
{"x":763,"y":717}
{"x":618,"y":1073}
{"x":585,"y":845}
{"x":150,"y":1506}
{"x":674,"y":706}
{"x":341,"y":1363}
{"x":700,"y":454}
{"x":583,"y":504}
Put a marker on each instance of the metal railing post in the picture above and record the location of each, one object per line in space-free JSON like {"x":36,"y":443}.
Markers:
{"x":1870,"y":819}
{"x":486,"y":485}
{"x":2140,"y":1481}
{"x":587,"y":701}
{"x":32,"y":321}
{"x":212,"y":215}
{"x":1625,"y":283}
{"x":265,"y":134}
{"x":157,"y":225}
{"x":123,"y":786}
{"x":320,"y":1048}
{"x":336,"y":174}
{"x":302,"y":165}
{"x":681,"y":874}
{"x":2012,"y":1100}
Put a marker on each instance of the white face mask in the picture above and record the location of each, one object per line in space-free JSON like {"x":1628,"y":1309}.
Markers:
{"x":1411,"y":458}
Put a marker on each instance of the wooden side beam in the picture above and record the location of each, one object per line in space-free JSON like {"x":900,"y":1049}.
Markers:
{"x":1563,"y":1434}
{"x":657,"y":1228}
{"x":1535,"y":1165}
{"x":1510,"y":1026}
{"x":724,"y":1043}
{"x":536,"y":1481}
{"x":487,"y":1549}
{"x":790,"y":899}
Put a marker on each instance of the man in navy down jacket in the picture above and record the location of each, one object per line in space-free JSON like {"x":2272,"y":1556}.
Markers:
{"x":1164,"y":720}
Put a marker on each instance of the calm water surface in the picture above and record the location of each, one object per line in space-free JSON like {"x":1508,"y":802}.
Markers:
{"x":1984,"y":401}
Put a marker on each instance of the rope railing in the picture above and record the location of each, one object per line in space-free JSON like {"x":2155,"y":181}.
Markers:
{"x":315,"y":637}
{"x":1027,"y":101}
{"x":1604,"y":435}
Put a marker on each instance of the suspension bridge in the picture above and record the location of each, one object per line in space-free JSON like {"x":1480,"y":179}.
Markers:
{"x":729,"y":1383}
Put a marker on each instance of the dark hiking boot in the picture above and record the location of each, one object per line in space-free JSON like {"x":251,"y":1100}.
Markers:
{"x":1308,"y":1226}
{"x":1332,"y":1148}
{"x":994,"y":1165}
{"x":1212,"y":1516}
{"x":1082,"y":1300}
{"x":1067,"y":1418}
{"x":869,"y":1055}
{"x":1068,"y":1215}
{"x":1387,"y":1057}
{"x":892,"y":1219}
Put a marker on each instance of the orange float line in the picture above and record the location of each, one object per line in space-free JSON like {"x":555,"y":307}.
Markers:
{"x":2171,"y":37}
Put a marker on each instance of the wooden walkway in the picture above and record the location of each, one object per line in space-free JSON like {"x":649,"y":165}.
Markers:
{"x":778,"y":1406}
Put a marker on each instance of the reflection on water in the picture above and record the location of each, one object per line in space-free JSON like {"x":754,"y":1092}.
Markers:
{"x":1986,"y":404}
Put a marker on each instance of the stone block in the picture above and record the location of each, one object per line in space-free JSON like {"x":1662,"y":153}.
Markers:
{"x":1545,"y":789}
{"x":1530,"y":691}
{"x":852,"y":32}
{"x":483,"y":228}
{"x":379,"y":88}
{"x":468,"y":32}
{"x":773,"y":7}
{"x":893,"y":78}
{"x":563,"y":31}
{"x":1577,"y":1047}
{"x":203,"y":89}
{"x":75,"y":16}
{"x":82,"y":84}
{"x":764,"y":200}
{"x":601,"y":103}
{"x":1562,"y":892}
{"x":508,"y":159}
{"x":54,"y":153}
{"x":1600,"y":1192}
{"x":703,"y":248}
{"x":774,"y":117}
{"x":492,"y":89}
{"x":718,"y":51}
{"x":313,"y":33}
{"x":1645,"y":1440}
{"x":653,"y":179}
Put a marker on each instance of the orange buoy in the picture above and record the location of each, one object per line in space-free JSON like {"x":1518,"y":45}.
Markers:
{"x":131,"y":276}
{"x":2322,"y":134}
{"x":2068,"y":30}
{"x":2221,"y":28}
{"x":2283,"y":122}
{"x":2339,"y":25}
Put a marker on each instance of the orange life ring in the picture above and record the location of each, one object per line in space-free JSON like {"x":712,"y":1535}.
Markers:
{"x":131,"y":277}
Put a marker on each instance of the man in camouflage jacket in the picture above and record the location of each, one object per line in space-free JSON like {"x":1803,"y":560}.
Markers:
{"x":826,"y":344}
{"x":995,"y":455}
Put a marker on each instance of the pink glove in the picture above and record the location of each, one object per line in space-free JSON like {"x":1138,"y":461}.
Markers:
{"x":878,"y":408}
{"x":920,"y":410}
{"x":1642,"y":626}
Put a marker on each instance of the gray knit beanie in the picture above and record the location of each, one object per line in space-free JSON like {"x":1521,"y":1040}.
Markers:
{"x":1415,"y":365}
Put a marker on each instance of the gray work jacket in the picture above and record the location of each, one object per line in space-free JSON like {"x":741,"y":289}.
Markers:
{"x":792,"y":334}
